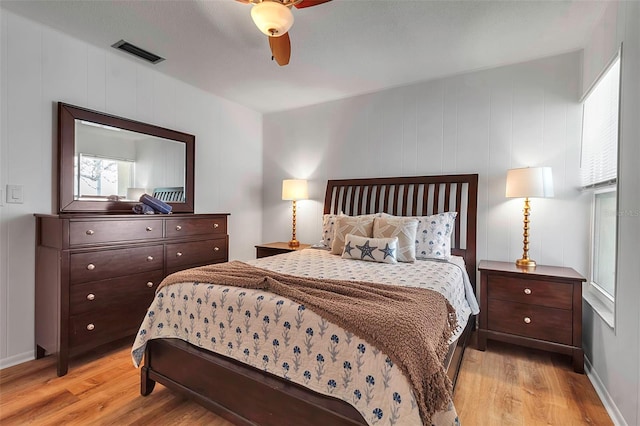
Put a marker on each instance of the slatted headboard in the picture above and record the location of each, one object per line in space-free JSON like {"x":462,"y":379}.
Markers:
{"x":170,"y":195}
{"x":414,"y":196}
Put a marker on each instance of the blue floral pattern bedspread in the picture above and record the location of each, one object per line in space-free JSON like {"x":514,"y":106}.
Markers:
{"x":277,"y":335}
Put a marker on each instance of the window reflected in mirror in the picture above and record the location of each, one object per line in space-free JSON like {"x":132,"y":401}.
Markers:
{"x":113,"y":164}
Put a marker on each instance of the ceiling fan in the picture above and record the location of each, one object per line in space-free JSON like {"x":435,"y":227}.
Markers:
{"x":274,"y":18}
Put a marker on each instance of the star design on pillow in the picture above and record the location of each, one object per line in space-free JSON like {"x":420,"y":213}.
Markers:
{"x":348,"y":248}
{"x":366,"y":250}
{"x":388,"y":252}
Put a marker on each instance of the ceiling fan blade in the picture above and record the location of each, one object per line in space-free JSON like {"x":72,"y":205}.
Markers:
{"x":280,"y":48}
{"x":244,"y":1}
{"x":309,"y":3}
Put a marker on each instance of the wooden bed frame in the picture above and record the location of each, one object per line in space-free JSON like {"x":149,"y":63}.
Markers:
{"x":245,"y":395}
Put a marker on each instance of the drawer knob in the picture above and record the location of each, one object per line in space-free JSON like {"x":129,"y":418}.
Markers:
{"x":149,"y":284}
{"x":216,"y":249}
{"x":527,"y":320}
{"x":178,"y":227}
{"x":149,"y":258}
{"x":216,"y":225}
{"x":91,"y":296}
{"x":90,"y":327}
{"x":527,"y":291}
{"x":149,"y":229}
{"x":89,"y":232}
{"x":178,"y":254}
{"x":91,"y":266}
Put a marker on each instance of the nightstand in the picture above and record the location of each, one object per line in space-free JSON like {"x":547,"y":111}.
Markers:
{"x":271,"y":249}
{"x":539,"y":308}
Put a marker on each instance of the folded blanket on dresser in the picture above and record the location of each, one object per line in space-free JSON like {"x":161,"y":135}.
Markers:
{"x":410,"y":325}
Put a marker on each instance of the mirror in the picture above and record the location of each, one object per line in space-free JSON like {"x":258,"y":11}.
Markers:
{"x":107,"y":162}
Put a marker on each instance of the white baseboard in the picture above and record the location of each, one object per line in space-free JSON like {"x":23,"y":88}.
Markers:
{"x":16,"y":359}
{"x":607,"y":401}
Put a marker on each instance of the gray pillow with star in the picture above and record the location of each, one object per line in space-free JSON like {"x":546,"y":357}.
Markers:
{"x":384,"y":250}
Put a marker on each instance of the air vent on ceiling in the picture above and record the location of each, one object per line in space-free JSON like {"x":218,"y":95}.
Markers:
{"x":136,"y":51}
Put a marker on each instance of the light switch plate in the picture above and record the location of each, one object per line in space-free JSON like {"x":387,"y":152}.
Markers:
{"x":14,"y":194}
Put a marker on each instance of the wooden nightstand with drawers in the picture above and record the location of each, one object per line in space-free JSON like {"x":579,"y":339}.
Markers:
{"x":271,"y":249}
{"x":539,"y":308}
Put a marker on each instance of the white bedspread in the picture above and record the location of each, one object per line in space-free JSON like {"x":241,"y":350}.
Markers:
{"x":280,"y":336}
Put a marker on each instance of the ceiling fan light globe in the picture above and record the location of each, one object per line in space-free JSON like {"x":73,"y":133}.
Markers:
{"x":272,"y":18}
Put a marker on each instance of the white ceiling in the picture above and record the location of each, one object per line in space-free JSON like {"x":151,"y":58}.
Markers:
{"x":339,"y":49}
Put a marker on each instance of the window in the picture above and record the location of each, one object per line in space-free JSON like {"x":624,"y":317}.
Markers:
{"x":102,"y":177}
{"x":599,"y":172}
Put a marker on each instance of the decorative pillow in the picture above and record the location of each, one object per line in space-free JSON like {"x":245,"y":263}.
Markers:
{"x":371,"y":249}
{"x":433,"y":238}
{"x":328,"y":224}
{"x":356,"y":225}
{"x":404,"y":228}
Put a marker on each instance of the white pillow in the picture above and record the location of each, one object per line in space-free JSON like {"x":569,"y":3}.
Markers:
{"x":357,"y":225}
{"x":371,"y":249}
{"x":404,"y":228}
{"x":328,"y":224}
{"x":433,"y":237}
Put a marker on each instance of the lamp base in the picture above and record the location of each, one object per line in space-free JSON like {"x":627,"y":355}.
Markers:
{"x":294,"y":243}
{"x":526,"y":263}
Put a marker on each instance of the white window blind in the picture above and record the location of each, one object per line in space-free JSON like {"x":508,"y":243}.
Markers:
{"x":599,"y":162}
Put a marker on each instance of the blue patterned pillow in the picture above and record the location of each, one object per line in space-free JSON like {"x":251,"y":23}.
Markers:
{"x":433,"y":237}
{"x":371,"y":249}
{"x":328,"y":224}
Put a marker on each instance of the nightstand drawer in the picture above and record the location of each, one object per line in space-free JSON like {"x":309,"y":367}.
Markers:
{"x":533,"y":321}
{"x":535,"y":292}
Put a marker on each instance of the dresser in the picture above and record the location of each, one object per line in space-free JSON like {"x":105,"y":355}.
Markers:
{"x":539,"y":308}
{"x":96,"y":274}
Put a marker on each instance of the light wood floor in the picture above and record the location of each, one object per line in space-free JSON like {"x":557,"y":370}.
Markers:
{"x":506,"y":385}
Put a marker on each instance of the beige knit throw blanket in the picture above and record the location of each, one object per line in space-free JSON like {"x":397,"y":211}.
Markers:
{"x":410,"y":325}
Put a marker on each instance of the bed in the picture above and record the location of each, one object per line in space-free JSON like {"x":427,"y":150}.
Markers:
{"x":250,"y":393}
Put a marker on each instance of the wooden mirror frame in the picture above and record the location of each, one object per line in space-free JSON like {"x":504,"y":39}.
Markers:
{"x":67,"y":114}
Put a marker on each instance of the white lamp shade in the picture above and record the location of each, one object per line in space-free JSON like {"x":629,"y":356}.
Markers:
{"x":272,"y":18}
{"x":294,"y":189}
{"x":529,"y":182}
{"x":135,"y":193}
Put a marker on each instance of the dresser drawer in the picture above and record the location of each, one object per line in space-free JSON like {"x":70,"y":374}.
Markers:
{"x":105,"y":231}
{"x":183,"y":227}
{"x":105,"y":325}
{"x":103,"y":264}
{"x":136,"y":291}
{"x":536,"y":292}
{"x":533,"y":321}
{"x":196,"y":253}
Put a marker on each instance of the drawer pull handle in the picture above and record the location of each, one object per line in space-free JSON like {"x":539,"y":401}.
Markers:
{"x":178,"y":254}
{"x":527,"y":320}
{"x":216,"y":225}
{"x":149,"y":229}
{"x":91,"y":266}
{"x":149,"y":258}
{"x":178,"y":227}
{"x":91,"y":296}
{"x":149,"y":284}
{"x":89,"y":232}
{"x":90,"y":327}
{"x":216,"y":249}
{"x":527,"y":291}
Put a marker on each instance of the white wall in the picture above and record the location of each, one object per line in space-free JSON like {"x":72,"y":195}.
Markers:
{"x":482,"y":122}
{"x":39,"y":67}
{"x":615,"y":354}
